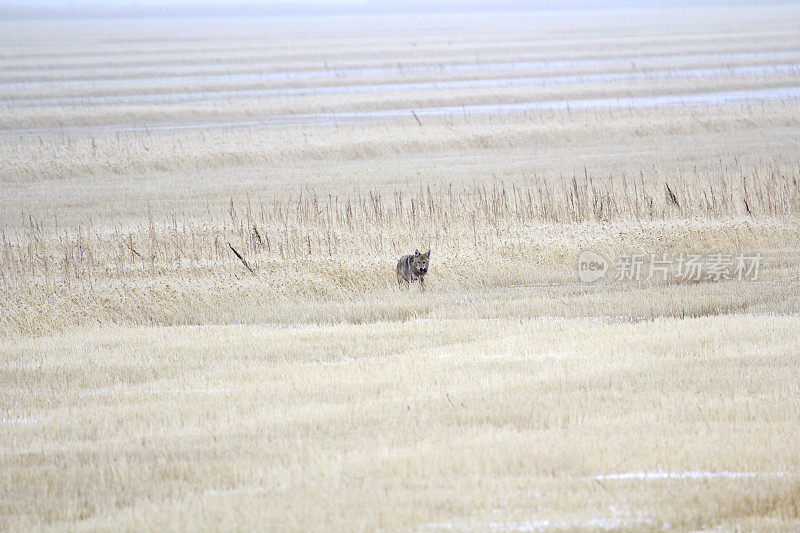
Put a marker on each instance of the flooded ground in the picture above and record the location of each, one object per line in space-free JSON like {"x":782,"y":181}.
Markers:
{"x":189,"y":88}
{"x":622,"y":102}
{"x":69,"y":76}
{"x":447,"y":85}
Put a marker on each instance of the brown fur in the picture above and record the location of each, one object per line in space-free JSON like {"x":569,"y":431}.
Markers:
{"x":413,"y":267}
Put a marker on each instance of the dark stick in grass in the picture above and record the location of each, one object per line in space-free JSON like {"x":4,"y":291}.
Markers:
{"x":241,"y":259}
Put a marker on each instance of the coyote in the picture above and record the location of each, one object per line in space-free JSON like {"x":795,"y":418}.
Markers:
{"x":411,"y":267}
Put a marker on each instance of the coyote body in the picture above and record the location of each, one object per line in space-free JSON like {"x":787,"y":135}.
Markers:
{"x":411,"y":267}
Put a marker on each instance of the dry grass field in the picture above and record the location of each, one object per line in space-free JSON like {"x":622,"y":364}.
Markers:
{"x":200,"y":327}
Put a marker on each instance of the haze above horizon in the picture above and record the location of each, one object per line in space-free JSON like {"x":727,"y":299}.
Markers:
{"x":147,"y":8}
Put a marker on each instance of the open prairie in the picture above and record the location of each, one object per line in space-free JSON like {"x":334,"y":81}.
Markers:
{"x":200,"y":325}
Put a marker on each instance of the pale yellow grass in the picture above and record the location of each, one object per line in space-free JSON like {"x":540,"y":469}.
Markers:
{"x":416,"y":425}
{"x":260,"y":161}
{"x":153,"y":381}
{"x":307,"y":258}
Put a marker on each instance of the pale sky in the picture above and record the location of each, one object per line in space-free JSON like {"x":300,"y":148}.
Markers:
{"x":34,"y":8}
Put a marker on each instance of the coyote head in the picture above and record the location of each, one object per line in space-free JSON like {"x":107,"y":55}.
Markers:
{"x":420,"y":262}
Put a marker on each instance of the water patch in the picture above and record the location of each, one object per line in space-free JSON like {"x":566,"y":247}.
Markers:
{"x":494,"y":83}
{"x":620,"y":102}
{"x":623,"y":61}
{"x":351,"y":117}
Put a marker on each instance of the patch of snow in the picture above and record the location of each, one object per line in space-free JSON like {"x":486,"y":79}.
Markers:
{"x":337,"y":362}
{"x":658,"y":474}
{"x":19,"y":421}
{"x":276,"y":325}
{"x":592,"y":523}
{"x":155,"y":391}
{"x":605,"y":523}
{"x":522,"y":356}
{"x":240,"y":490}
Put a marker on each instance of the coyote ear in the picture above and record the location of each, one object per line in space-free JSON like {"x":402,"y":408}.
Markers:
{"x":428,"y":253}
{"x":416,"y":253}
